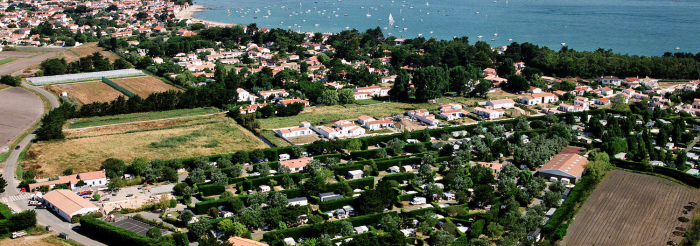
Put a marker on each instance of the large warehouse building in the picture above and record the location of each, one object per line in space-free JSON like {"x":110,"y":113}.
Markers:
{"x":564,"y":167}
{"x":66,"y":204}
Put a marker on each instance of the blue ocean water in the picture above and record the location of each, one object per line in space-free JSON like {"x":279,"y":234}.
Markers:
{"x":641,"y":27}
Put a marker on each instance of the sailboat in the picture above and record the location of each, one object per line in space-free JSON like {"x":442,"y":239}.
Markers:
{"x":391,"y":19}
{"x":368,"y":15}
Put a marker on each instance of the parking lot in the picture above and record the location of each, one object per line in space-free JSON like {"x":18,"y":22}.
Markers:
{"x":134,"y":225}
{"x":129,"y":197}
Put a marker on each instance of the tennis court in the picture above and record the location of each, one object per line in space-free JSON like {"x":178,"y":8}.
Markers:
{"x":134,"y":225}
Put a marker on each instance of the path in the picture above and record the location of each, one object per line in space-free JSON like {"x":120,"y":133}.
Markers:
{"x":693,"y":143}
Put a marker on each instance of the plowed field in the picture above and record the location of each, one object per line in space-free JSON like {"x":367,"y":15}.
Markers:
{"x":633,"y":209}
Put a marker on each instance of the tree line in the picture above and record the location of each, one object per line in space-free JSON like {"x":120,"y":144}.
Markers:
{"x":91,"y":63}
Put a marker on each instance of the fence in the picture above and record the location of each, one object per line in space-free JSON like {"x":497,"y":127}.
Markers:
{"x":71,"y":78}
{"x":118,"y":87}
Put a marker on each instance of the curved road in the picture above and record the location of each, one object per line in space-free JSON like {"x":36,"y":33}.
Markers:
{"x":43,"y":216}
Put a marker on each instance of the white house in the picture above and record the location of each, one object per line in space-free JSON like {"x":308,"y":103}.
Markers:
{"x":378,"y":124}
{"x":302,"y":130}
{"x":67,"y":204}
{"x":424,"y":116}
{"x":539,"y":98}
{"x":243,"y":95}
{"x":502,"y":103}
{"x":610,"y":80}
{"x":452,"y":111}
{"x":489,"y":113}
{"x":96,"y":178}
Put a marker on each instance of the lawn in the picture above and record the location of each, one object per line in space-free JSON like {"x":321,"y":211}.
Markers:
{"x":321,"y":115}
{"x":219,"y":134}
{"x":7,"y":60}
{"x":105,"y":120}
{"x":274,"y":139}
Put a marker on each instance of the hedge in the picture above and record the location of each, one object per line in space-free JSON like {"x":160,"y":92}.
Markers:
{"x":476,"y":229}
{"x":673,"y":173}
{"x":112,"y":235}
{"x":119,"y":88}
{"x":335,"y":204}
{"x":324,"y":158}
{"x":291,"y":193}
{"x":202,"y":207}
{"x":399,"y":177}
{"x":413,"y":148}
{"x":344,"y":169}
{"x":407,"y":197}
{"x":417,"y":212}
{"x":566,"y":210}
{"x":211,"y":189}
{"x":5,"y":211}
{"x":355,"y":184}
{"x":17,"y":222}
{"x":363,"y":154}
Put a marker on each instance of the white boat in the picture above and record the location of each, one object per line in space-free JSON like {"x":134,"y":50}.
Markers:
{"x":677,"y":48}
{"x":405,"y":28}
{"x":315,"y":24}
{"x":495,"y":34}
{"x":420,"y":34}
{"x":391,"y":18}
{"x":510,"y":39}
{"x":563,"y":44}
{"x":427,"y":4}
{"x":431,"y":32}
{"x":479,"y":36}
{"x":477,"y":13}
{"x":493,"y":39}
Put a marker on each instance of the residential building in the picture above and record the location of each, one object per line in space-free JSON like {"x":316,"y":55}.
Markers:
{"x":239,"y":241}
{"x":296,"y":165}
{"x":502,"y":103}
{"x":489,"y":113}
{"x":300,"y":201}
{"x":302,"y":130}
{"x":539,"y":98}
{"x":96,"y":178}
{"x":355,"y":174}
{"x":276,"y":93}
{"x":424,"y":116}
{"x":610,"y":81}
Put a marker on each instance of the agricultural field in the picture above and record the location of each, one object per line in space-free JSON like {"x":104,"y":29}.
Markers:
{"x":333,"y":113}
{"x":87,"y":49}
{"x":87,"y":92}
{"x":181,"y":138}
{"x":125,"y":118}
{"x":144,"y":86}
{"x":633,"y":209}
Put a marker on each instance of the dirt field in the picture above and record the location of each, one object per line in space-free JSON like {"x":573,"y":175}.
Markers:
{"x":87,"y":92}
{"x":144,"y":86}
{"x":217,"y":134}
{"x":632,"y":209}
{"x":87,"y":49}
{"x":19,"y":109}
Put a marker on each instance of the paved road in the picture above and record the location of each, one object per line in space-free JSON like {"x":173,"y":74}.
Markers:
{"x":693,"y":143}
{"x":19,"y":110}
{"x":21,"y":64}
{"x":17,"y":54}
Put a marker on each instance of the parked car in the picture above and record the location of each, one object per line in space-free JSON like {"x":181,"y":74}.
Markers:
{"x":34,"y":203}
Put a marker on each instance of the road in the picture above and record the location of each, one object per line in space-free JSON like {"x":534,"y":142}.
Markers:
{"x":23,"y":63}
{"x":693,"y":143}
{"x":17,"y":200}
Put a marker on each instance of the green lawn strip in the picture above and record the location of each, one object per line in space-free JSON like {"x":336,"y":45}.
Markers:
{"x":274,"y":139}
{"x":7,"y":60}
{"x":123,"y":118}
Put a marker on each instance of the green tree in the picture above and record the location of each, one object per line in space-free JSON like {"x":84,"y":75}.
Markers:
{"x":354,"y":145}
{"x":196,"y":176}
{"x":443,"y":238}
{"x":346,"y":96}
{"x":389,"y":223}
{"x":201,"y":227}
{"x":217,"y":177}
{"x":346,"y":228}
{"x":494,"y":230}
{"x":114,"y":168}
{"x":277,"y":200}
{"x":518,"y":83}
{"x":400,"y":89}
{"x":329,"y":97}
{"x":430,"y":83}
{"x":95,"y":197}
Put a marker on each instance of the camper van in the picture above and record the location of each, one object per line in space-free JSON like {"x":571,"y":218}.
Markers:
{"x":418,"y":200}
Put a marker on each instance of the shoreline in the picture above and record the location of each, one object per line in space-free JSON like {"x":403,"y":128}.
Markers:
{"x":189,"y":12}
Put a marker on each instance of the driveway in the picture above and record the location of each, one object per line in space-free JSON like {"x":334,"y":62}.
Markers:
{"x":19,"y":109}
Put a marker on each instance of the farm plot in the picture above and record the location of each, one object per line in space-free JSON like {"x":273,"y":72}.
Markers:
{"x":87,"y":92}
{"x":88,"y":49}
{"x":166,"y":140}
{"x":633,"y":209}
{"x":144,"y":86}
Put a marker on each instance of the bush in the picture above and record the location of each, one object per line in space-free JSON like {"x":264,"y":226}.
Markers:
{"x":329,"y":228}
{"x":173,"y":203}
{"x":202,"y":207}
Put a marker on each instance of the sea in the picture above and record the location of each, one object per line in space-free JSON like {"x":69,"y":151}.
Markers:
{"x":635,"y":27}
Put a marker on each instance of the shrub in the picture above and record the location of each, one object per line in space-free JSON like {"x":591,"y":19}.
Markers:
{"x":335,"y":204}
{"x":477,"y":227}
{"x":211,"y":189}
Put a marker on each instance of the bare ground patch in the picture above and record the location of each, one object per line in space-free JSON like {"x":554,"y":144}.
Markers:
{"x":144,"y":86}
{"x":87,"y":92}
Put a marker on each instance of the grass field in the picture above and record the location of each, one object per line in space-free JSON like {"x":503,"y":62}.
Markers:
{"x":274,"y":139}
{"x":87,"y":92}
{"x":214,"y":135}
{"x":332,"y":113}
{"x":115,"y":119}
{"x":633,"y":209}
{"x":144,"y":85}
{"x":87,"y":49}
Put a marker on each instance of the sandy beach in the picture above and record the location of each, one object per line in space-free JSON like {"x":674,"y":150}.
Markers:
{"x":189,"y":12}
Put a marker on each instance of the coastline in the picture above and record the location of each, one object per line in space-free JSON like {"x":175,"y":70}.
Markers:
{"x":189,"y":12}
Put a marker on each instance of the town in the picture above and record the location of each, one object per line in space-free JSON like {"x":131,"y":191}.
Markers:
{"x":132,"y":122}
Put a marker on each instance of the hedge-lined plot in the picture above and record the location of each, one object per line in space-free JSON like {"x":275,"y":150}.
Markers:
{"x":632,"y":209}
{"x":118,"y":87}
